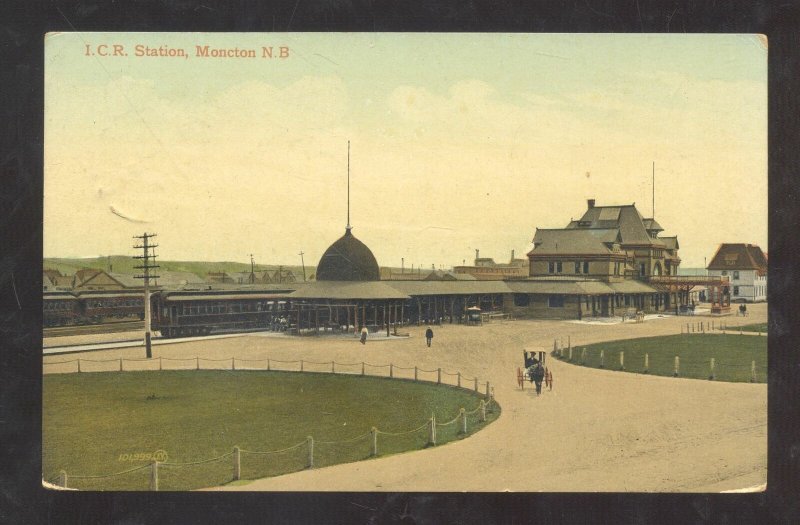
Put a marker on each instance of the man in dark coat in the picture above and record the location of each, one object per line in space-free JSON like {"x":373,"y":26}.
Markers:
{"x":429,"y":336}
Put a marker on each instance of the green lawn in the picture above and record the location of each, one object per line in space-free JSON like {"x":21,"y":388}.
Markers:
{"x":96,"y":424}
{"x":733,"y":355}
{"x":755,"y":327}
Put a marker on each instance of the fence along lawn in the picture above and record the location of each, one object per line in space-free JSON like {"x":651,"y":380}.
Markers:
{"x":109,"y":422}
{"x":733,"y":356}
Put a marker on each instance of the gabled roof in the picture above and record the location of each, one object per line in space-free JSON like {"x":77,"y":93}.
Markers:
{"x":560,"y":287}
{"x":439,"y":275}
{"x":574,"y":240}
{"x":173,"y":279}
{"x":670,"y":243}
{"x":627,"y":218}
{"x":651,"y":224}
{"x":738,"y":256}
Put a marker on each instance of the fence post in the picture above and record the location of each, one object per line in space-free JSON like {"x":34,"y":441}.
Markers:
{"x":154,"y":476}
{"x":703,"y":326}
{"x":583,"y":355}
{"x":233,"y":363}
{"x":197,"y":363}
{"x":687,"y":328}
{"x":602,"y":359}
{"x":487,"y":388}
{"x":310,"y":441}
{"x":120,"y":364}
{"x":391,"y":370}
{"x":432,"y":430}
{"x":555,"y":348}
{"x":622,"y":360}
{"x":159,"y":362}
{"x":268,"y":364}
{"x":237,"y":465}
{"x":570,"y":353}
{"x":476,"y":383}
{"x":677,"y":366}
{"x":711,"y":374}
{"x":62,"y":478}
{"x":362,"y":368}
{"x":301,"y":365}
{"x":79,"y":365}
{"x":646,"y":363}
{"x":569,"y":342}
{"x":439,"y":376}
{"x":463,"y":415}
{"x":374,"y":441}
{"x":712,"y":325}
{"x":459,"y":380}
{"x":483,"y":410}
{"x":333,"y":367}
{"x":415,"y":373}
{"x":752,"y":371}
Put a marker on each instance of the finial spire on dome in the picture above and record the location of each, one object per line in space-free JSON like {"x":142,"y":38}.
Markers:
{"x":348,"y":187}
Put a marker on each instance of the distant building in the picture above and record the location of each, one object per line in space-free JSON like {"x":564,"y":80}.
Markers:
{"x":172,"y":280}
{"x":219,"y":278}
{"x":94,"y":279}
{"x":609,"y":262}
{"x":485,"y":269}
{"x":746,"y":267}
{"x":55,"y":280}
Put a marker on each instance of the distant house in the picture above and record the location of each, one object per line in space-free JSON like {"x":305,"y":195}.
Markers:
{"x":55,"y":280}
{"x":282,"y":276}
{"x":219,"y":277}
{"x":485,"y":269}
{"x":94,"y":279}
{"x":746,"y":267}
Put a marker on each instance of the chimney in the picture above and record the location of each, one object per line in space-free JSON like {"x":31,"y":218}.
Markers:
{"x":512,"y":255}
{"x":590,"y":202}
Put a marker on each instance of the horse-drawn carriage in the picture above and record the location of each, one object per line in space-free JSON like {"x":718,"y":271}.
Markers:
{"x":533,"y":371}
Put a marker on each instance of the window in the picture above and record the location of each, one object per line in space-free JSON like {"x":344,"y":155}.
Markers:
{"x":585,"y":266}
{"x":724,"y":273}
{"x":521,"y":299}
{"x":642,"y":269}
{"x":559,"y":267}
{"x":555,"y":301}
{"x":735,"y":290}
{"x":577,"y":267}
{"x":551,"y":266}
{"x":736,"y":275}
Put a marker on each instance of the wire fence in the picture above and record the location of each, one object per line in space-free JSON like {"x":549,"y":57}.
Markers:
{"x":390,"y":370}
{"x":688,"y":362}
{"x":722,"y":327}
{"x":241,"y":464}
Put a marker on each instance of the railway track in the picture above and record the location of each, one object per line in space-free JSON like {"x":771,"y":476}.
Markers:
{"x":103,"y":328}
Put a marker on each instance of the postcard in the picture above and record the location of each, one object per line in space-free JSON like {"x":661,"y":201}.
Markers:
{"x":405,"y":262}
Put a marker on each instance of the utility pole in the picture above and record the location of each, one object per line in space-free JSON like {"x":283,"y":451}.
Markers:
{"x":303,"y":262}
{"x":654,"y":190}
{"x":252,"y":269}
{"x":146,"y":266}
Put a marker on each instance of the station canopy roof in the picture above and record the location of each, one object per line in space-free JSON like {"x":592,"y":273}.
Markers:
{"x":338,"y":290}
{"x":418,"y":288}
{"x":560,"y":287}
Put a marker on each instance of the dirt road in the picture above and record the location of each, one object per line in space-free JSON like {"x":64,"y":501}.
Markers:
{"x":597,"y":430}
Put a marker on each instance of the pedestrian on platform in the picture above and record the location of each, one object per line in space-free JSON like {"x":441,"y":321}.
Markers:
{"x":429,"y":336}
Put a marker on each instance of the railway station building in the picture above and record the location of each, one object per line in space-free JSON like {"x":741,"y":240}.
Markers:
{"x":611,"y":261}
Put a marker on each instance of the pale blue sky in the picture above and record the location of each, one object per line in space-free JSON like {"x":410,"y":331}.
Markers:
{"x":458,"y":142}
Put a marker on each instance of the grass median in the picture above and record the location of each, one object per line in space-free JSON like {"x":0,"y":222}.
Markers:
{"x":108,"y":422}
{"x":733,"y":356}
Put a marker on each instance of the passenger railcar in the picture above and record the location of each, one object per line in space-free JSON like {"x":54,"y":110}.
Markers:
{"x":81,"y":308}
{"x":60,"y":309}
{"x":184,"y":313}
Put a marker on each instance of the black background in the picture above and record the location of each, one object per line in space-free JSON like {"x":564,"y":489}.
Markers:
{"x":22,"y":28}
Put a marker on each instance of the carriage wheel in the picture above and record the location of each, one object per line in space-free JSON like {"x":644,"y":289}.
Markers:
{"x":520,"y":379}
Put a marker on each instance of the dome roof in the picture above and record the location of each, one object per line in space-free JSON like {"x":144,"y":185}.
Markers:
{"x":348,"y":259}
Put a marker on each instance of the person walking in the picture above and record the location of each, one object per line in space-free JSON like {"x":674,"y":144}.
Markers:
{"x":549,"y":378}
{"x":364,"y":333}
{"x":429,"y":336}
